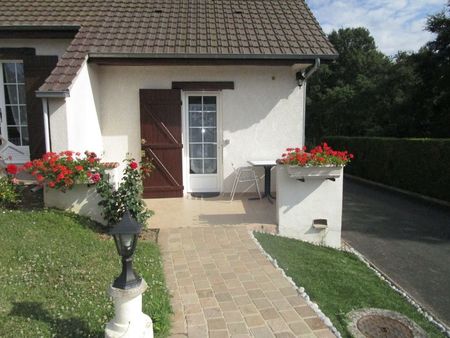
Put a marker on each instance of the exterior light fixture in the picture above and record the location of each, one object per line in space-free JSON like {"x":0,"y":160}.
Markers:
{"x":125,"y":235}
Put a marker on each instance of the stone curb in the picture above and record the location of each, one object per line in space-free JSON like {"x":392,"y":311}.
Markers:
{"x":300,"y":290}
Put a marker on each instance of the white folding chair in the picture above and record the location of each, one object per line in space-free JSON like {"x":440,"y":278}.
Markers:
{"x":244,"y":174}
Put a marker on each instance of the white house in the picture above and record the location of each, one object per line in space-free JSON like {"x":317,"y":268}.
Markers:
{"x":198,"y":86}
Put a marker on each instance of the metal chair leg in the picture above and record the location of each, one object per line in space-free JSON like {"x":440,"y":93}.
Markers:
{"x":235,"y":184}
{"x":257,"y":185}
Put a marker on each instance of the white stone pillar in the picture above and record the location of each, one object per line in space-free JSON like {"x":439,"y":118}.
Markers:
{"x":301,"y":202}
{"x":129,"y":320}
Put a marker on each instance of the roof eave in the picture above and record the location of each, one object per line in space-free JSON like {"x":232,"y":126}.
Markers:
{"x":293,"y":57}
{"x":52,"y":94}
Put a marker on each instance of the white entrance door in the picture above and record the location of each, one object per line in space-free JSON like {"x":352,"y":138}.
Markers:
{"x":203,"y":155}
{"x":14,"y":126}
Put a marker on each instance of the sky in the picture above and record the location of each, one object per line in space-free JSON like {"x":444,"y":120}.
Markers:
{"x":395,"y":24}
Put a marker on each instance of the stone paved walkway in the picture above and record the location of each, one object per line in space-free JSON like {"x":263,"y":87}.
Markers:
{"x":223,"y":286}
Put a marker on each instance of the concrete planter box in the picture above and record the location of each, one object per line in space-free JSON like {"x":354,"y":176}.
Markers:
{"x":310,"y":210}
{"x":81,"y":199}
{"x":297,"y":172}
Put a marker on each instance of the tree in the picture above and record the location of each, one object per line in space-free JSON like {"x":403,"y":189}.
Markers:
{"x":343,"y":97}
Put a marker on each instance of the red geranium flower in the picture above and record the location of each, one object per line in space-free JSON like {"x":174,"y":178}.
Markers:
{"x":12,"y":169}
{"x":133,"y":165}
{"x":51,"y":184}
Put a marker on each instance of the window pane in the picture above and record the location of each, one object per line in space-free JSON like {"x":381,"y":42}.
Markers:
{"x":209,"y":103}
{"x":210,"y":135}
{"x":195,"y":134}
{"x":209,"y":119}
{"x":9,"y":72}
{"x":195,"y":150}
{"x":19,"y":70}
{"x":195,"y":103}
{"x":11,"y":94}
{"x":23,"y":115}
{"x":210,"y":166}
{"x":24,"y":131}
{"x":195,"y":119}
{"x":196,"y":166}
{"x":21,"y":89}
{"x":12,"y":115}
{"x":14,"y":135}
{"x":210,"y":150}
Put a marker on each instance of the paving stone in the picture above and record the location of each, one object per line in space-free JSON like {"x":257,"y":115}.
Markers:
{"x":261,"y":332}
{"x":300,"y":328}
{"x":315,"y":323}
{"x":237,"y":328}
{"x":269,"y":313}
{"x":278,"y":325}
{"x":216,"y":324}
{"x":196,"y":319}
{"x":290,"y":316}
{"x":222,"y":286}
{"x":219,"y":334}
{"x":305,"y":311}
{"x":233,"y":316}
{"x":213,"y":312}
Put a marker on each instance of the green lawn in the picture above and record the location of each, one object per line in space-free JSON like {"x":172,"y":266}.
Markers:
{"x":54,"y":273}
{"x":337,"y":281}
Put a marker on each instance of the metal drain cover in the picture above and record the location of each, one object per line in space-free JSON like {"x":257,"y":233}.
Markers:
{"x":380,"y":326}
{"x":378,"y":323}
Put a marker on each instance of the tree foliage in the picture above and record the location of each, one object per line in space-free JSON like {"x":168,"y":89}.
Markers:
{"x":366,"y":93}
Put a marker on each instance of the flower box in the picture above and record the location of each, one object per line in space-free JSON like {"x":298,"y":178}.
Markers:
{"x":81,"y":199}
{"x":324,"y":172}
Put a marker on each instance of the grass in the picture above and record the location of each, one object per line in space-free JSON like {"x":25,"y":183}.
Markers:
{"x":54,"y":273}
{"x":338,"y":281}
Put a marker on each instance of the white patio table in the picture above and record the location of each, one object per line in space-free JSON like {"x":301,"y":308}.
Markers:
{"x":268,"y":165}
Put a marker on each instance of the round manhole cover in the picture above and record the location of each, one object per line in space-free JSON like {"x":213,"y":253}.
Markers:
{"x":375,"y":326}
{"x":378,"y":323}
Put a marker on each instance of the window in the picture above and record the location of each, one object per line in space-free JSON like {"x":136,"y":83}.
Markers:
{"x":15,"y":103}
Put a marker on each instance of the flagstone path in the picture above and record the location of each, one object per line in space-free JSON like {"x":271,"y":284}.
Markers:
{"x":223,"y":286}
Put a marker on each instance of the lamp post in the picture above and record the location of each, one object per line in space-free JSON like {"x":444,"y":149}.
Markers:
{"x":127,"y":289}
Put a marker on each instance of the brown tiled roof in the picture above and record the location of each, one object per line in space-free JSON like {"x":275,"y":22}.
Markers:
{"x":276,"y":29}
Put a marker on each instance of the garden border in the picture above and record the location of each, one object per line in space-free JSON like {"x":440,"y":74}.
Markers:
{"x":348,"y":248}
{"x":426,"y":313}
{"x":300,"y":290}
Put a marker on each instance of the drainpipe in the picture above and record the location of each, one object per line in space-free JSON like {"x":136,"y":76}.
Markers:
{"x":46,"y":124}
{"x":302,"y":77}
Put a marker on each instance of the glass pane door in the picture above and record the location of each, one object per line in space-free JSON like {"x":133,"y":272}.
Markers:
{"x":15,"y":104}
{"x":202,"y":115}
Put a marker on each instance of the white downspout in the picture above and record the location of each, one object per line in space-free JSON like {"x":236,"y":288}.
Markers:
{"x":46,"y":124}
{"x":302,"y":78}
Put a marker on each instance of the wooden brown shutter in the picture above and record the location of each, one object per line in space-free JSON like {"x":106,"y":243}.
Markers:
{"x":161,"y":141}
{"x":36,"y":69}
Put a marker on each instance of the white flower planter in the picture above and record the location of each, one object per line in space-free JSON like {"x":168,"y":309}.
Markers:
{"x":81,"y":199}
{"x":297,"y":172}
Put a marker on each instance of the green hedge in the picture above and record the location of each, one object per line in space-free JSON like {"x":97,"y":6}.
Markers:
{"x":417,"y":165}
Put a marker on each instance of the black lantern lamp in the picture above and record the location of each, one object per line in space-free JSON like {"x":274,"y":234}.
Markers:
{"x":125,"y":235}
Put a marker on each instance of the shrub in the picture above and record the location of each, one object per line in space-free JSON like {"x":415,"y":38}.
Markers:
{"x":128,"y":196}
{"x":9,"y":194}
{"x":417,"y":165}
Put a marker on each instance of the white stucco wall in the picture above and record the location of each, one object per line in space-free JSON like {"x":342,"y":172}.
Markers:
{"x":58,"y":124}
{"x":42,"y":46}
{"x":261,"y":117}
{"x":82,"y":111}
{"x":300,"y":203}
